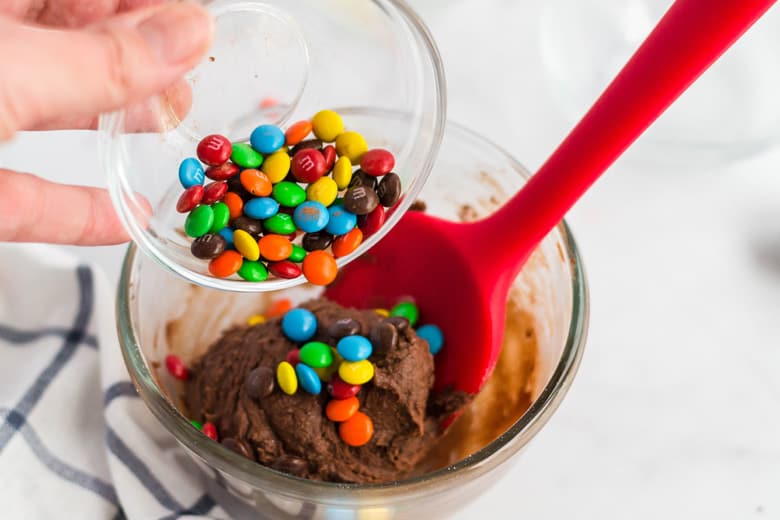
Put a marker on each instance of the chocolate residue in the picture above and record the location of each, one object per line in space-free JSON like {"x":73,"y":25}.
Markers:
{"x":467,"y":213}
{"x":418,"y":205}
{"x":212,"y":59}
{"x":502,"y":401}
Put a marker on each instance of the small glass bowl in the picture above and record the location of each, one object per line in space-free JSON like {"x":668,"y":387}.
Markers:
{"x":471,"y":178}
{"x":277,"y":62}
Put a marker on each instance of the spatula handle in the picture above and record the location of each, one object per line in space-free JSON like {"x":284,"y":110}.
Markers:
{"x":687,"y":40}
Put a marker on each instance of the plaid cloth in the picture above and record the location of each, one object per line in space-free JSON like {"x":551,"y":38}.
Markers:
{"x":75,"y":440}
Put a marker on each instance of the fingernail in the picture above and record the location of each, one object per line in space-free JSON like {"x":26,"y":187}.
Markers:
{"x":177,"y":31}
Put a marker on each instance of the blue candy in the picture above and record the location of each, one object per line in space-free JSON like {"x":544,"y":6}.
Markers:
{"x":299,"y":325}
{"x":433,"y":335}
{"x":308,"y":379}
{"x":267,"y":138}
{"x":354,"y":348}
{"x":227,"y":234}
{"x":311,"y":216}
{"x":341,"y":221}
{"x":261,"y":208}
{"x":191,"y":173}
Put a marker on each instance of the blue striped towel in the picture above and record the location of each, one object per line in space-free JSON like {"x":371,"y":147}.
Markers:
{"x":75,"y":440}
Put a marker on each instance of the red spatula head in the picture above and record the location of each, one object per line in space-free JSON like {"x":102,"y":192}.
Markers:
{"x":423,"y":259}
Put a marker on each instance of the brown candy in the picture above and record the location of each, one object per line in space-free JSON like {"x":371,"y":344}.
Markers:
{"x":292,"y":465}
{"x":238,"y":446}
{"x":399,"y":322}
{"x":303,"y":145}
{"x":389,"y":190}
{"x":361,"y":178}
{"x":316,"y":241}
{"x":384,"y":337}
{"x":250,"y":225}
{"x":259,"y":383}
{"x":208,"y":246}
{"x":234,"y":185}
{"x":343,"y":327}
{"x":360,"y":200}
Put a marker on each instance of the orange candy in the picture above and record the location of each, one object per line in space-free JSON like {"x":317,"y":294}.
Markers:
{"x":345,"y":244}
{"x":278,"y":308}
{"x":357,"y":430}
{"x":297,"y":133}
{"x":256,"y":182}
{"x":234,"y":203}
{"x":340,"y":410}
{"x":226,"y":264}
{"x":275,"y":247}
{"x":319,"y":267}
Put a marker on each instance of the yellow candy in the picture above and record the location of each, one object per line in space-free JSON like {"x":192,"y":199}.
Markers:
{"x":357,"y":372}
{"x":352,"y":145}
{"x":285,"y":376}
{"x":342,"y":172}
{"x":327,"y":125}
{"x":257,"y":319}
{"x":326,"y":373}
{"x":382,"y":312}
{"x":276,"y":166}
{"x":246,"y":245}
{"x":324,"y":190}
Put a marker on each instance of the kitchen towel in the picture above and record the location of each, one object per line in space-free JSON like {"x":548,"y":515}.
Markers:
{"x":75,"y":439}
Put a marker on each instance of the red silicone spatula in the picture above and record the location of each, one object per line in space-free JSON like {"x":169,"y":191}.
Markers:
{"x":460,"y":274}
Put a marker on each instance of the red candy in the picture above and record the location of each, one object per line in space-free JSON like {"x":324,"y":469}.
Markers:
{"x":176,"y":367}
{"x":370,"y":223}
{"x":339,"y":389}
{"x":294,"y":356}
{"x":329,"y":153}
{"x":214,"y":192}
{"x":285,"y":269}
{"x":308,"y":165}
{"x":214,"y":150}
{"x":189,"y":199}
{"x":210,"y":431}
{"x":377,"y":162}
{"x":222,"y":173}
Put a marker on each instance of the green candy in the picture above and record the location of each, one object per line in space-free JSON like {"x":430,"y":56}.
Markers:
{"x":289,"y":194}
{"x":298,"y":254}
{"x":199,"y":221}
{"x":316,"y":354}
{"x":406,"y":310}
{"x":246,"y":156}
{"x":196,"y":424}
{"x":221,"y":216}
{"x":281,"y":224}
{"x":253,"y":271}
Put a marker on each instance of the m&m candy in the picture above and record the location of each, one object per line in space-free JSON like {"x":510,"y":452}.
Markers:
{"x":308,"y":379}
{"x":354,"y":348}
{"x":433,"y":335}
{"x":299,"y":325}
{"x":307,"y":189}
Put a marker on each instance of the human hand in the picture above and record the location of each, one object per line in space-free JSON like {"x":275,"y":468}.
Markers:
{"x":63,"y":62}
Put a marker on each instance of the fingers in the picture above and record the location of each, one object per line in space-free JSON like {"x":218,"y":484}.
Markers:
{"x":36,"y":210}
{"x":152,"y":115}
{"x":59,"y":74}
{"x":69,"y":13}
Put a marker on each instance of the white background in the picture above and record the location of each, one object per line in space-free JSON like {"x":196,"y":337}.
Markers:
{"x":675,"y":411}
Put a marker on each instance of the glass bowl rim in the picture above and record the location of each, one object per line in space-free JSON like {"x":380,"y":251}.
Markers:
{"x":119,"y":187}
{"x":485,"y":459}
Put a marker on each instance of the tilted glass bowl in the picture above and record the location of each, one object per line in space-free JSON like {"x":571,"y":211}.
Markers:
{"x":277,"y":62}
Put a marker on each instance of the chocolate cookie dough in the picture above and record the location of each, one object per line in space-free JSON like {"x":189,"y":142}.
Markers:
{"x":231,"y":386}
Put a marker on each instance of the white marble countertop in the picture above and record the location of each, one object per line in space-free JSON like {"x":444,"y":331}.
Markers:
{"x":675,"y":411}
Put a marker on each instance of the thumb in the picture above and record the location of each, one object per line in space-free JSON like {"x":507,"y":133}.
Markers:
{"x":127,"y":58}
